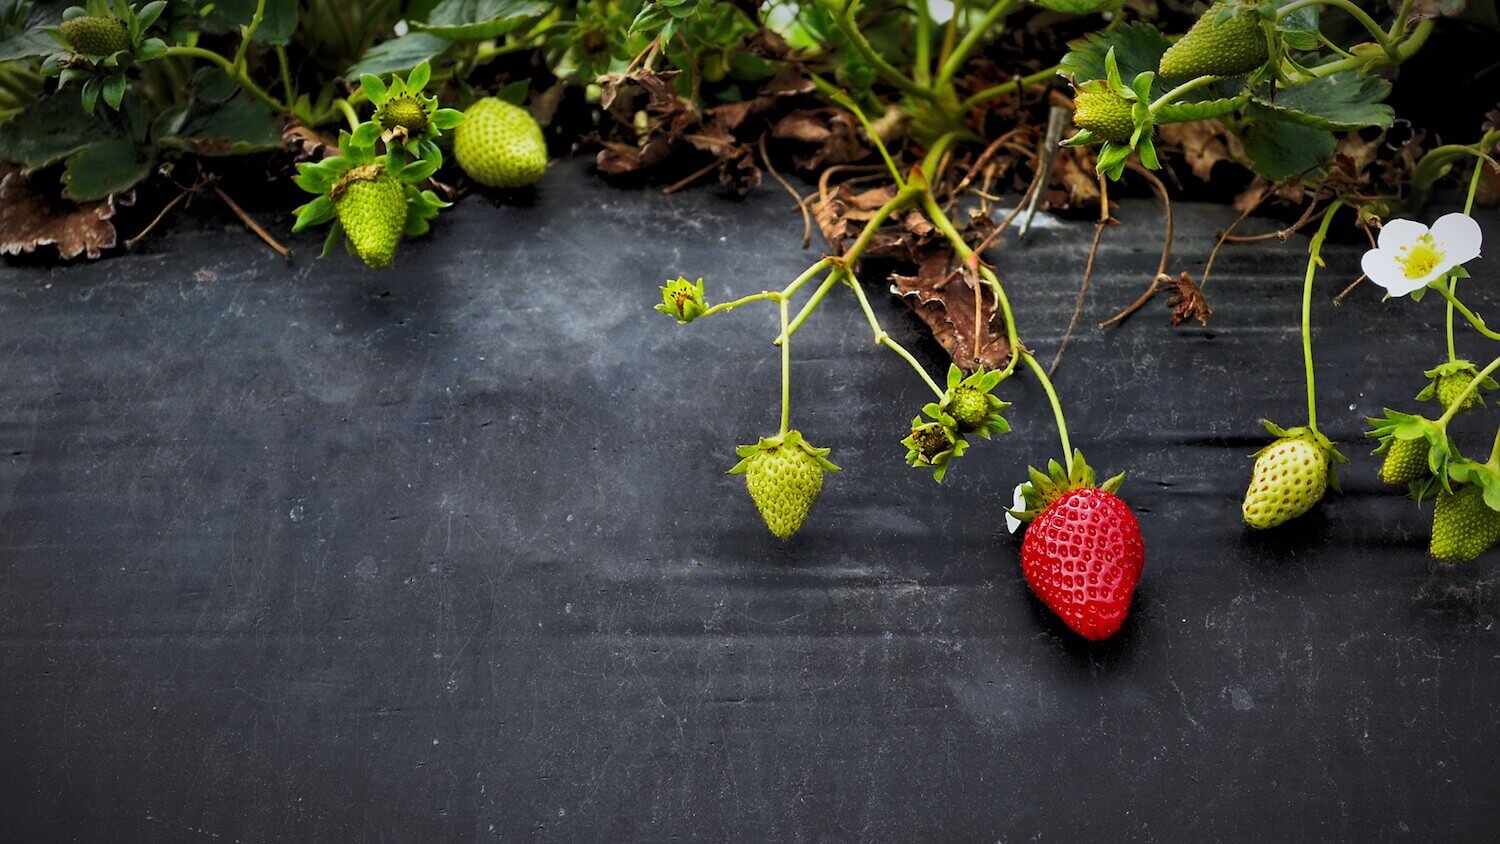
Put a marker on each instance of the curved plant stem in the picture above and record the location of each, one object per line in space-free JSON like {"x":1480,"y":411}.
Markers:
{"x":1400,"y":52}
{"x":966,"y":45}
{"x":1005,"y":88}
{"x":1057,"y":413}
{"x":1190,"y":85}
{"x":743,"y":300}
{"x":884,"y":339}
{"x":968,"y":255}
{"x":786,"y":369}
{"x":1494,"y":461}
{"x":1379,"y":34}
{"x":247,"y":33}
{"x":1453,"y":277}
{"x":844,"y":100}
{"x":1474,"y":319}
{"x":1314,"y":260}
{"x":811,"y":305}
{"x":348,"y":111}
{"x":237,"y":74}
{"x":882,"y":67}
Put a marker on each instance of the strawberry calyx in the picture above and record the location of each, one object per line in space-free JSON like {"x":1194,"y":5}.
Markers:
{"x":1043,"y":490}
{"x":969,"y":404}
{"x":790,"y":439}
{"x":682,"y":300}
{"x":1449,"y":379}
{"x":1483,"y":475}
{"x":934,"y":445}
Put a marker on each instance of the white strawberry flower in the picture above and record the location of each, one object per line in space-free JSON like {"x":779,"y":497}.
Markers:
{"x":1018,"y":502}
{"x":1409,"y":255}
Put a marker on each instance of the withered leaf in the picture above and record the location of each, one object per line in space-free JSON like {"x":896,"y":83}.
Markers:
{"x":30,"y":218}
{"x":1203,"y":143}
{"x":942,"y":295}
{"x":1187,"y":301}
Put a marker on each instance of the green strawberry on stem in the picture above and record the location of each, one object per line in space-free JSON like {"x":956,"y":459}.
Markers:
{"x":404,"y":116}
{"x":95,"y":35}
{"x":784,"y":475}
{"x":373,"y":200}
{"x":1290,"y":476}
{"x":1227,"y":40}
{"x":1466,"y":521}
{"x":500,"y":145}
{"x":969,"y":404}
{"x":1450,"y":381}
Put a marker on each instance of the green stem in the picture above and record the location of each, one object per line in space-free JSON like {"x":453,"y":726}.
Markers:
{"x":1185,"y":87}
{"x":1453,"y":277}
{"x":1010,"y":87}
{"x":844,"y":100}
{"x":1381,"y":37}
{"x":287,"y":89}
{"x":247,"y":33}
{"x":882,"y":67}
{"x":237,"y":74}
{"x":1494,"y":461}
{"x":786,"y":370}
{"x":1401,"y":52}
{"x":921,"y":71}
{"x":348,"y":111}
{"x":1057,"y":413}
{"x":1442,"y":421}
{"x":1474,"y":319}
{"x":1314,"y":260}
{"x":884,"y":339}
{"x":811,"y":305}
{"x":971,"y":38}
{"x":743,"y":300}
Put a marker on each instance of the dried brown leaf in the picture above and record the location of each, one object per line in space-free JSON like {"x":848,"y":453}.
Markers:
{"x":29,"y":218}
{"x":942,"y":295}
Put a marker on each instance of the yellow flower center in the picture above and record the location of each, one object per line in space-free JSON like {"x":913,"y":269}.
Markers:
{"x":1419,"y":259}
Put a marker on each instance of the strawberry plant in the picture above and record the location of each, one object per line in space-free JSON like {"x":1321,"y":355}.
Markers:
{"x":916,"y":122}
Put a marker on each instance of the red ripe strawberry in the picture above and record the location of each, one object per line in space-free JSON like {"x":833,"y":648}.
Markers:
{"x":1083,"y":553}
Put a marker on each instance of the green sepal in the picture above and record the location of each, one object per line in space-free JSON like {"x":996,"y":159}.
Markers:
{"x":791,"y":439}
{"x":1042,"y":490}
{"x":335,"y":235}
{"x":316,"y":212}
{"x":1479,"y":474}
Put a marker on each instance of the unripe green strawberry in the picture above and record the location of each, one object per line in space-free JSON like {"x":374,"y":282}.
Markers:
{"x":96,"y":35}
{"x":1213,"y":47}
{"x":1463,"y":526}
{"x":500,"y":145}
{"x":1405,"y":461}
{"x":1103,"y":112}
{"x":403,"y":111}
{"x":371,"y":206}
{"x":1290,"y":477}
{"x":1451,"y":386}
{"x":784,"y":475}
{"x":969,"y":407}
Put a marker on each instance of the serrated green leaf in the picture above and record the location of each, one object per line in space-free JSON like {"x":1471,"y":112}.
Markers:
{"x":1137,"y":48}
{"x":98,"y":170}
{"x":399,"y":54}
{"x":477,"y":20}
{"x":1299,"y":29}
{"x":447,"y":118}
{"x":1279,"y":149}
{"x":22,"y":33}
{"x":1341,"y":101}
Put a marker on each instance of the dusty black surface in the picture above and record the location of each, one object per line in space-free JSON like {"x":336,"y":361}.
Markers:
{"x":448,"y":552}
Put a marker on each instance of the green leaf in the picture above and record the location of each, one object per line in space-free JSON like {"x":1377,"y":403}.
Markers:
{"x":399,"y":54}
{"x":1076,"y":7}
{"x":22,"y":32}
{"x":515,"y":92}
{"x":1137,"y":46}
{"x":212,"y":124}
{"x":419,"y":171}
{"x":417,"y":79}
{"x":1340,"y":101}
{"x":1299,"y":29}
{"x":98,"y":170}
{"x":1279,"y":149}
{"x":477,"y":20}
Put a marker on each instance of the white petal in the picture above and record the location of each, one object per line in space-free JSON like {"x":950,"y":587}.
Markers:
{"x":1460,"y":237}
{"x":1383,"y":269}
{"x":1017,"y":502}
{"x":940,"y":10}
{"x":1395,"y":234}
